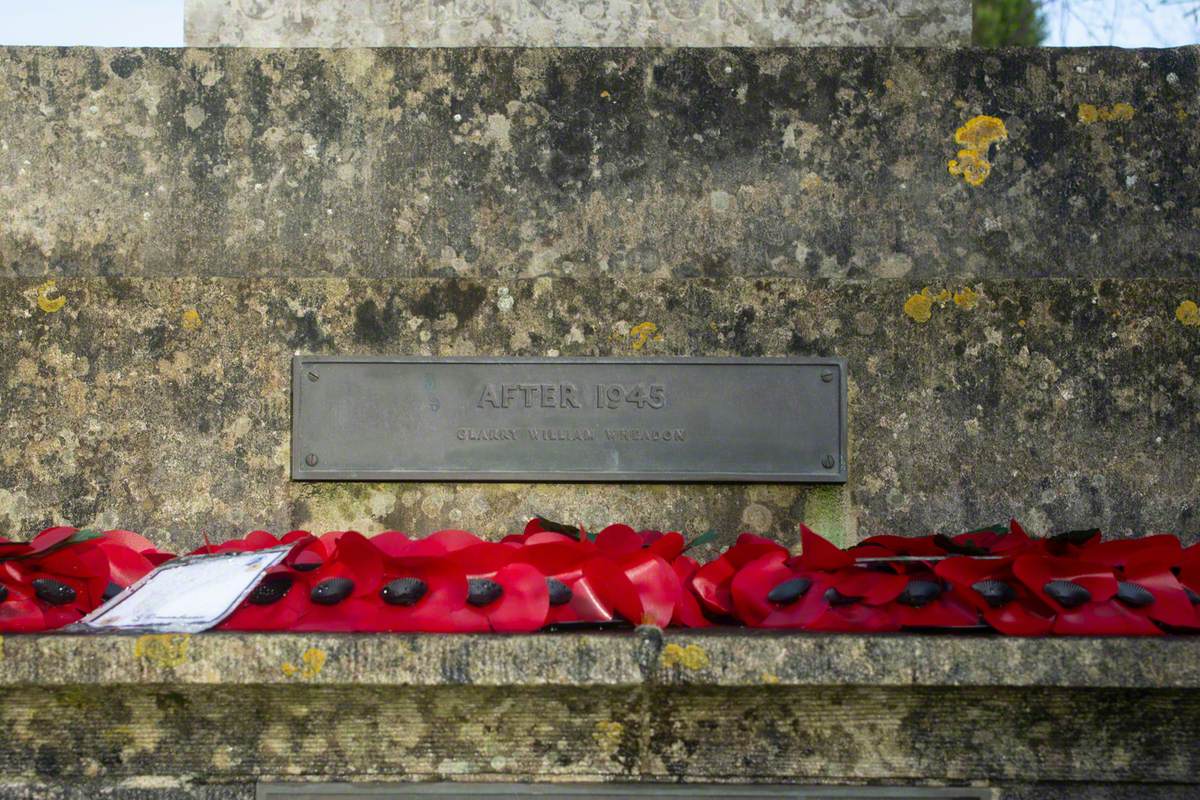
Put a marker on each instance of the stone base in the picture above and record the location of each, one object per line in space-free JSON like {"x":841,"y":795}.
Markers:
{"x":209,"y":716}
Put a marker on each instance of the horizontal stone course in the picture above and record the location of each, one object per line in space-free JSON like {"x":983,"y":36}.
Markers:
{"x":816,"y":163}
{"x":216,"y":712}
{"x":162,"y":405}
{"x":618,"y":658}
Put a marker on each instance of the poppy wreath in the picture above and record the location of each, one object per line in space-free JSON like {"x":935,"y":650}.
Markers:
{"x":554,"y":576}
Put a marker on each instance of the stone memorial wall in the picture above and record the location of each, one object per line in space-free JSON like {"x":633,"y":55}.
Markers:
{"x":1002,"y":245}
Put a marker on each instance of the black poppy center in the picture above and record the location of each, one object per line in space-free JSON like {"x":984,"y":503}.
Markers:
{"x":560,"y":593}
{"x":1192,"y":596}
{"x":919,"y":593}
{"x":1067,"y":594}
{"x":3,"y":593}
{"x":997,"y":593}
{"x":111,"y":591}
{"x":56,"y":593}
{"x":789,"y":591}
{"x":482,"y":591}
{"x":404,"y":591}
{"x":271,"y":590}
{"x":331,"y":591}
{"x":1134,"y":595}
{"x":836,"y":598}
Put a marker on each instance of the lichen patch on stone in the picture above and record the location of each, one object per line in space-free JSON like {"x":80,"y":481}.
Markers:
{"x":1118,"y":112}
{"x":191,"y":320}
{"x":164,"y":650}
{"x":966,"y":299}
{"x":1188,"y":313}
{"x":45,"y":301}
{"x":692,"y":657}
{"x":977,"y":135}
{"x":642,"y":333}
{"x":919,"y":307}
{"x":311,"y":663}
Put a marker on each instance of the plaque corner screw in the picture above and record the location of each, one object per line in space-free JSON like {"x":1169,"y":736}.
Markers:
{"x":827,"y":462}
{"x":827,"y":375}
{"x":311,"y":459}
{"x":314,"y":377}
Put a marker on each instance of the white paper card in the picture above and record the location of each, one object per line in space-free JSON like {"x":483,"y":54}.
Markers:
{"x":186,"y":595}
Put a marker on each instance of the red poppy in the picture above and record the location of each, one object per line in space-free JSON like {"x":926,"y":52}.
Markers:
{"x":420,"y":595}
{"x":927,"y":601}
{"x":571,"y":595}
{"x":618,"y":540}
{"x":340,"y":591}
{"x":688,"y":612}
{"x":1147,"y":584}
{"x":1082,"y":596}
{"x":711,"y":582}
{"x":19,"y":611}
{"x":556,"y":531}
{"x":641,"y":586}
{"x":67,"y":580}
{"x":995,"y":541}
{"x":513,"y":599}
{"x":818,"y":553}
{"x":992,"y":589}
{"x":771,"y":592}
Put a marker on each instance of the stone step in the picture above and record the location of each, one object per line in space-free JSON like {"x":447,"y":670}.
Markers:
{"x":831,"y":163}
{"x":208,"y":716}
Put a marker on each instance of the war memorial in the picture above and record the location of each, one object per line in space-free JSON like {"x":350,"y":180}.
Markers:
{"x":703,"y":266}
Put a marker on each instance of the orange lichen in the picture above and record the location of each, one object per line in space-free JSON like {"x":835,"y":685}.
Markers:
{"x":976,"y":136}
{"x":966,"y":299}
{"x":1117,"y":112}
{"x":165,"y":650}
{"x":691,"y":657}
{"x":642,"y":333}
{"x":1188,"y":313}
{"x":981,"y":132}
{"x":45,"y":301}
{"x":919,"y":307}
{"x":312,"y":662}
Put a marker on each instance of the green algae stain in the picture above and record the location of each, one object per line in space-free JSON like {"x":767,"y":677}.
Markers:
{"x":825,"y":513}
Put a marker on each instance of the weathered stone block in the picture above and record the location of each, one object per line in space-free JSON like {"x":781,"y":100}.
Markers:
{"x":574,"y":162}
{"x":208,"y":715}
{"x":576,"y":23}
{"x":162,"y":405}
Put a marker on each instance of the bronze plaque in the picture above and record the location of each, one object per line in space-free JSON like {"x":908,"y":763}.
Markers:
{"x":569,"y":419}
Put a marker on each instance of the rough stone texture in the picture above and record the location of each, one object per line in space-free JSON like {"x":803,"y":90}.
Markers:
{"x":724,"y":658}
{"x":765,"y":202}
{"x":508,"y":162}
{"x":213,"y":713}
{"x":162,"y":405}
{"x":575,"y":23}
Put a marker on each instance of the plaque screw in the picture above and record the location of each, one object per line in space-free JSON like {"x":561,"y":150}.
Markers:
{"x":826,"y":376}
{"x":311,"y":459}
{"x":314,"y":377}
{"x":827,"y":462}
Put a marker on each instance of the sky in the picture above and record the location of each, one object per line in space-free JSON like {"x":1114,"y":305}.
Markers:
{"x":101,"y":23}
{"x":1122,"y":23}
{"x":159,"y":23}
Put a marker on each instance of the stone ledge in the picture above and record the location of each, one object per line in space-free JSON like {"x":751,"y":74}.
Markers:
{"x":723,"y":658}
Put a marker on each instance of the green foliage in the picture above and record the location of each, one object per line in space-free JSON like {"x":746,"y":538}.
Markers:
{"x":1008,"y":23}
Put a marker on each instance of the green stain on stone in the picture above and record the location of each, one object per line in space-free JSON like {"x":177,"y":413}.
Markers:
{"x":825,"y":512}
